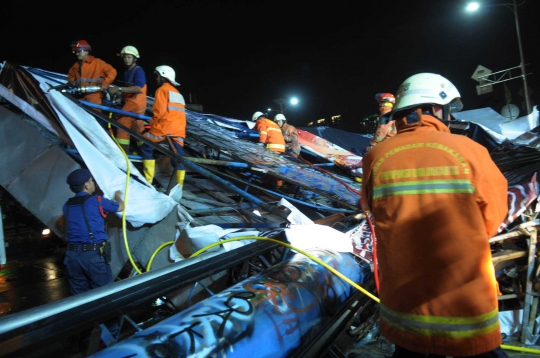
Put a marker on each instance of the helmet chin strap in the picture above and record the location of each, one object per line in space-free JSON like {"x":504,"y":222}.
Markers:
{"x":414,"y":116}
{"x":446,"y":109}
{"x":162,"y":80}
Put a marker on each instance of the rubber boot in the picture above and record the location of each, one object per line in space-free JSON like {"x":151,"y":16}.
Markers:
{"x":149,"y":169}
{"x":180,"y":176}
{"x":177,"y":192}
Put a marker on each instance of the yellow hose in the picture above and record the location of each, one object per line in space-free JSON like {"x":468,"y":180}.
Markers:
{"x":520,"y":349}
{"x":335,"y":272}
{"x":155,"y":253}
{"x":128,"y":175}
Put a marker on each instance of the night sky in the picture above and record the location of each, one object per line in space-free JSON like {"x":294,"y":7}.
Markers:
{"x":235,"y":57}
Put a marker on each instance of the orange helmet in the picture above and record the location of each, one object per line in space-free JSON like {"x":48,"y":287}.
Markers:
{"x":385,"y":98}
{"x":81,"y":45}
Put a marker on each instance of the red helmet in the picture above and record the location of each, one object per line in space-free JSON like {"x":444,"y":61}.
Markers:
{"x":81,"y":45}
{"x":385,"y":97}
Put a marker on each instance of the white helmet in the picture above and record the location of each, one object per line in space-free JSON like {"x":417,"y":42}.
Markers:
{"x":168,"y":73}
{"x":427,"y":88}
{"x":130,"y":50}
{"x":280,"y":117}
{"x":256,"y":116}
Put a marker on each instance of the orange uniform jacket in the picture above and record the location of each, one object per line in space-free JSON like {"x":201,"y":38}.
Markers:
{"x":383,"y":131}
{"x":270,"y":133}
{"x":290,"y":134}
{"x":436,"y":199}
{"x":92,"y":72}
{"x":169,"y":115}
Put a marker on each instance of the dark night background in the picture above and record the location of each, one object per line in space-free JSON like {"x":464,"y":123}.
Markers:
{"x":235,"y":57}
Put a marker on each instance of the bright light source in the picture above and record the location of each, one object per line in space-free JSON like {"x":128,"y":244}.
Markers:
{"x":294,"y":100}
{"x":158,"y":302}
{"x":46,"y":232}
{"x":473,"y":6}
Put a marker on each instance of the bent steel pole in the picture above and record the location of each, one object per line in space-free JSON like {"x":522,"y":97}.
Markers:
{"x":23,"y":329}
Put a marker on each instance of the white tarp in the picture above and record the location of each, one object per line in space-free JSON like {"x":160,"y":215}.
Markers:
{"x":102,"y":156}
{"x":303,"y":234}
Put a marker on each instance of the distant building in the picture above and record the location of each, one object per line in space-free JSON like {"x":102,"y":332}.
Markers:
{"x":368,"y":125}
{"x":333,"y":122}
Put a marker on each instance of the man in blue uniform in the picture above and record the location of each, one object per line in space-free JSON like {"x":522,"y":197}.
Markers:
{"x":88,"y":251}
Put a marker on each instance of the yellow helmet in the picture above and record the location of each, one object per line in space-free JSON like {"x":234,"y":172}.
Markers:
{"x":130,"y":50}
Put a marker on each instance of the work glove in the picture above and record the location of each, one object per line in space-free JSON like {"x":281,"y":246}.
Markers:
{"x":262,"y":144}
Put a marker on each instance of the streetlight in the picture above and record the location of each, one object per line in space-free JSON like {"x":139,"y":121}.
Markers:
{"x":281,"y":102}
{"x":473,"y":6}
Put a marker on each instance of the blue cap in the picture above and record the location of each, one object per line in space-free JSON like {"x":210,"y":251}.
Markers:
{"x":78,"y":177}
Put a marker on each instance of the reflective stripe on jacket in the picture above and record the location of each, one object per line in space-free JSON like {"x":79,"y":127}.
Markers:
{"x":436,"y":199}
{"x":169,"y":116}
{"x":92,"y":72}
{"x":270,"y":133}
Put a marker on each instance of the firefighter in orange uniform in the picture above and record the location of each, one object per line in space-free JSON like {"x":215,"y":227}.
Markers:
{"x":271,"y":137}
{"x":269,"y":133}
{"x":384,"y":131}
{"x":133,"y":95}
{"x":168,"y":123}
{"x":90,"y":71}
{"x":436,"y":199}
{"x":290,"y":134}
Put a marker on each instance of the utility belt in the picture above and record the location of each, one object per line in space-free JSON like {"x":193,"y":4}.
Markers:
{"x":84,"y":247}
{"x":104,"y":249}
